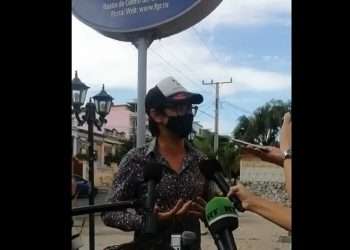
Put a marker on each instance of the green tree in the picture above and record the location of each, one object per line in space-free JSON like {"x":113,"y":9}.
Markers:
{"x":205,"y":144}
{"x":228,"y":154}
{"x":264,"y":125}
{"x":124,"y":148}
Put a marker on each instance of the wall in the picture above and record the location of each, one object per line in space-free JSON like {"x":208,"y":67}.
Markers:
{"x":274,"y":191}
{"x":263,"y":178}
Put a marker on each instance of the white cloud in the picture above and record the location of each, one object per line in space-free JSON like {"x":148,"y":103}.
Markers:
{"x":248,"y":12}
{"x":271,"y":58}
{"x":267,"y":58}
{"x":99,"y":59}
{"x":252,"y":79}
{"x":226,"y":126}
{"x":102,"y":60}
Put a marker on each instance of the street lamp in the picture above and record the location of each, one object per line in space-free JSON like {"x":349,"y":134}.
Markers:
{"x":79,"y":90}
{"x":102,"y":105}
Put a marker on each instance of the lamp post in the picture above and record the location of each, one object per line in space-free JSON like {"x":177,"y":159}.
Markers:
{"x":102,"y":105}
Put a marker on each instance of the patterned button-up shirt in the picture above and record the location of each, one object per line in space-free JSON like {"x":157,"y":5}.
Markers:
{"x":129,"y":184}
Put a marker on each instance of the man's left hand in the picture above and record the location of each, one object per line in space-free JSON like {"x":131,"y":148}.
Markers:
{"x":198,"y":208}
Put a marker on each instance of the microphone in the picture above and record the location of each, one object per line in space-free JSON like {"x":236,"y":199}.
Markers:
{"x":185,"y":241}
{"x":222,"y":220}
{"x":116,"y":206}
{"x":211,"y":169}
{"x":188,"y":240}
{"x":152,"y":174}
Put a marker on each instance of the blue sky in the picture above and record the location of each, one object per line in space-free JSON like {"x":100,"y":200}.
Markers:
{"x":248,"y":40}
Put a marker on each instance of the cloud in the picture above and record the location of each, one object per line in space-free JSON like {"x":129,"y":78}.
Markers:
{"x":250,"y":79}
{"x":99,"y":59}
{"x":102,"y":60}
{"x":237,"y":13}
{"x":226,"y":126}
{"x":185,"y":52}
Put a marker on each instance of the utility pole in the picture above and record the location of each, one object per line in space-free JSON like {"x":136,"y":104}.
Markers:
{"x":216,"y":136}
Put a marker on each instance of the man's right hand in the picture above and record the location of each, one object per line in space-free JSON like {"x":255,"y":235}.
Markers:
{"x":180,"y":209}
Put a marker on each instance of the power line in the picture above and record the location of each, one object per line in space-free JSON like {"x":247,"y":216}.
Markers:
{"x":206,"y":106}
{"x":234,"y":111}
{"x":211,"y":116}
{"x":207,"y":47}
{"x":180,"y":72}
{"x":166,"y":69}
{"x":170,"y":65}
{"x":237,"y":107}
{"x":185,"y":65}
{"x":201,"y":73}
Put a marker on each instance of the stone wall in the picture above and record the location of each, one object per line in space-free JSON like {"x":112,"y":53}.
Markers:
{"x":264,"y":179}
{"x":274,"y":191}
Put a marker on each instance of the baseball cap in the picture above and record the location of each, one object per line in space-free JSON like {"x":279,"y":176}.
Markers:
{"x":170,"y":91}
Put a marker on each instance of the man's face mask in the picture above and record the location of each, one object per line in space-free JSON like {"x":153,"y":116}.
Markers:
{"x":180,"y":118}
{"x":180,"y":125}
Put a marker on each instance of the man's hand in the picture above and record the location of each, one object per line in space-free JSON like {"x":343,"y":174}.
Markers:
{"x":180,"y":209}
{"x":270,"y":154}
{"x":196,"y":208}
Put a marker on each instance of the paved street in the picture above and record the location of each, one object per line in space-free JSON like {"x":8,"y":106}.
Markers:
{"x":253,"y":233}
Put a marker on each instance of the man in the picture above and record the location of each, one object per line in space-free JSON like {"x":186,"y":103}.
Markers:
{"x":181,"y":190}
{"x":272,"y":211}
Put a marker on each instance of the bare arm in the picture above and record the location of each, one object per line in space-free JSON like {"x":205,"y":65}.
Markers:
{"x":286,"y":143}
{"x":288,"y":177}
{"x":272,"y":211}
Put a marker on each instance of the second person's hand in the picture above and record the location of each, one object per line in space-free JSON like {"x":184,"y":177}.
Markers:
{"x":270,"y":154}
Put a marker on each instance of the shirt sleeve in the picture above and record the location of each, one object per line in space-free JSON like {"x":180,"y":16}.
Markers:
{"x":124,"y":188}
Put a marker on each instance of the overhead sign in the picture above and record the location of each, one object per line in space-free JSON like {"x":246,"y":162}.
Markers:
{"x":128,"y":19}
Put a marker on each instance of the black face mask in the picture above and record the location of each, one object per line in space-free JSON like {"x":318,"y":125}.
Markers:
{"x":180,"y":125}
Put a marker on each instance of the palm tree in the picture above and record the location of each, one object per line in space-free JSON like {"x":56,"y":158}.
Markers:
{"x":263,"y":126}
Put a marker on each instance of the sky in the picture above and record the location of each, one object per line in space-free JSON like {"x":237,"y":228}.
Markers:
{"x":246,"y":40}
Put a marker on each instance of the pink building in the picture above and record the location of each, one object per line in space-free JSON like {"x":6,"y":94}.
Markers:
{"x":122,"y":119}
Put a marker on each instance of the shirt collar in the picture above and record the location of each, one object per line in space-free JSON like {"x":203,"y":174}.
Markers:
{"x":152,"y":146}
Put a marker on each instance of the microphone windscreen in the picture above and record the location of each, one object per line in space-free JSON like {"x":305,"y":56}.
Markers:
{"x":153,"y":171}
{"x":209,"y":167}
{"x":188,"y":238}
{"x":220,"y":214}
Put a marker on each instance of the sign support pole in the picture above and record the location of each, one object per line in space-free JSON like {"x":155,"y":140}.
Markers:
{"x":142,"y":45}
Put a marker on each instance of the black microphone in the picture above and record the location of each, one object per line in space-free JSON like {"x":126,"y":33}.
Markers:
{"x":188,"y":240}
{"x":152,"y":174}
{"x":211,"y":169}
{"x":222,"y":220}
{"x":116,"y":206}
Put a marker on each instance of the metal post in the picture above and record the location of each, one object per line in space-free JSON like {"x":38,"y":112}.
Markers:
{"x":216,"y":138}
{"x":90,"y":115}
{"x":141,"y":44}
